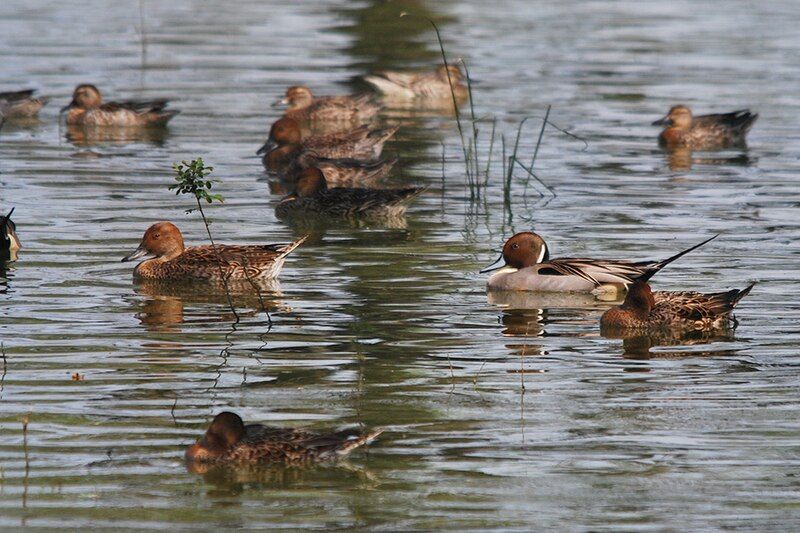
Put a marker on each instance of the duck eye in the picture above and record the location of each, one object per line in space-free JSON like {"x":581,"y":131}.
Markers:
{"x":514,"y":246}
{"x":156,"y":235}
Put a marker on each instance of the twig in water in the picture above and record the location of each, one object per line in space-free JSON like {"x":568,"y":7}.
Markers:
{"x":541,"y":134}
{"x":475,"y":379}
{"x":172,"y":411}
{"x":491,"y":148}
{"x":25,"y":420}
{"x":5,"y":364}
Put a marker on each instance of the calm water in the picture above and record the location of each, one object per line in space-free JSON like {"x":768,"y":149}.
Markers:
{"x":499,"y":414}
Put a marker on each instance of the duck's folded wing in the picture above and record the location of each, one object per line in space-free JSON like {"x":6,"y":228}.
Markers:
{"x":15,"y":96}
{"x":137,"y":106}
{"x":733,"y":119}
{"x":592,"y":270}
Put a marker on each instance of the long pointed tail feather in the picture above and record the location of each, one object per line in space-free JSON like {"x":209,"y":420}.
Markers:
{"x":655,"y":267}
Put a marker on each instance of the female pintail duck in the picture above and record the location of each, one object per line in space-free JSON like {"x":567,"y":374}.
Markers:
{"x":341,"y":172}
{"x":21,"y":104}
{"x":229,"y":440}
{"x":9,"y":242}
{"x":441,"y":84}
{"x":285,"y":144}
{"x":313,"y":197}
{"x":87,"y":109}
{"x":704,"y":132}
{"x":303,"y":106}
{"x":645,"y":310}
{"x":163,"y":242}
{"x":525,"y":265}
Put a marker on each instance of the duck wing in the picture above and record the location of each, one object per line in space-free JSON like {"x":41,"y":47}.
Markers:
{"x":137,"y":106}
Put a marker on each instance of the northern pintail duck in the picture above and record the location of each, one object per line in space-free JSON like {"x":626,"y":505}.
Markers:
{"x":88,"y":109}
{"x":303,"y":106}
{"x":704,"y":132}
{"x":313,"y":197}
{"x":440,"y":84}
{"x":21,"y":104}
{"x":229,"y":440}
{"x":341,"y":172}
{"x":9,"y":242}
{"x":285,"y":143}
{"x":525,"y":265}
{"x":645,"y":310}
{"x":163,"y":242}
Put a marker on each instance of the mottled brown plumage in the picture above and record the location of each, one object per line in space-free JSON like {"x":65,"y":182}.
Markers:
{"x":303,"y":106}
{"x":313,"y":197}
{"x":21,"y":104}
{"x":172,"y":260}
{"x":704,"y":132}
{"x":340,"y":172}
{"x":433,"y":85}
{"x":645,"y":310}
{"x":88,"y":109}
{"x":228,"y":440}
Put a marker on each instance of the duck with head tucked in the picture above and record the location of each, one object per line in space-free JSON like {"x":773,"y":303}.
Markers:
{"x":313,"y":197}
{"x":9,"y":242}
{"x":88,"y":109}
{"x":303,"y":106}
{"x":645,"y":310}
{"x":285,"y":144}
{"x":525,"y":265}
{"x":170,"y":259}
{"x":704,"y":132}
{"x":441,"y":84}
{"x":229,"y":441}
{"x":21,"y":104}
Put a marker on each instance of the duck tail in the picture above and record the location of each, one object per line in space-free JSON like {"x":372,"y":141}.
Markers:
{"x":382,"y":135}
{"x":653,"y":268}
{"x":160,"y":118}
{"x":380,"y":168}
{"x":289,"y":248}
{"x":735,"y":296}
{"x":408,"y":194}
{"x":351,"y":444}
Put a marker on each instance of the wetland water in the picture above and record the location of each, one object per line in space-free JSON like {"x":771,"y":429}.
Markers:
{"x":498,"y":414}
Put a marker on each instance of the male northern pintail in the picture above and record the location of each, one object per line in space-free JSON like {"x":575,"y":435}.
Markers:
{"x":285,"y":144}
{"x":525,"y":265}
{"x":163,"y":242}
{"x":21,"y":104}
{"x":704,"y":132}
{"x":645,"y":310}
{"x":313,"y":197}
{"x":440,"y":84}
{"x":9,"y":242}
{"x":88,"y":109}
{"x":303,"y":106}
{"x":229,"y":440}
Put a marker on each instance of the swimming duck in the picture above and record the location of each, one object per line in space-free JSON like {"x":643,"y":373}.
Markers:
{"x":525,"y":265}
{"x":303,"y":106}
{"x":229,"y":440}
{"x":313,"y":197}
{"x":704,"y":132}
{"x":424,"y":84}
{"x":21,"y":104}
{"x":87,"y":109}
{"x":9,"y":242}
{"x":344,"y":172}
{"x":644,"y":309}
{"x":163,"y":242}
{"x":285,"y":144}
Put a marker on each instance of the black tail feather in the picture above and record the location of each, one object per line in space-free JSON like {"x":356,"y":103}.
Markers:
{"x":655,"y":267}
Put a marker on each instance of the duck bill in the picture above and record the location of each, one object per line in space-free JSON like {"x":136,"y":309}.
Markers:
{"x":280,"y":102}
{"x":139,"y":253}
{"x":500,"y":263}
{"x":663,"y":121}
{"x":266,"y":147}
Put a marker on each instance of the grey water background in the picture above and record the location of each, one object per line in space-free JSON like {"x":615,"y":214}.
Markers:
{"x":498,"y":414}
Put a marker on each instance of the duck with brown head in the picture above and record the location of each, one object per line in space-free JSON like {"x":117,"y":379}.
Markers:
{"x":303,"y":106}
{"x":163,"y":244}
{"x":645,"y":310}
{"x":312,"y":197}
{"x":525,"y":265}
{"x":229,"y":440}
{"x":704,"y":132}
{"x":88,"y":109}
{"x":9,"y":242}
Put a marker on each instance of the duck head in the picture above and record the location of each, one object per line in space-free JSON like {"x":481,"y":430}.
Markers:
{"x":520,"y":251}
{"x":297,"y":97}
{"x":639,"y":301}
{"x":679,"y":116}
{"x":84,"y":96}
{"x":284,"y":132}
{"x":162,"y":240}
{"x":224,"y":432}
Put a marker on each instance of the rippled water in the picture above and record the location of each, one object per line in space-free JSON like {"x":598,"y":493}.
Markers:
{"x":499,"y":414}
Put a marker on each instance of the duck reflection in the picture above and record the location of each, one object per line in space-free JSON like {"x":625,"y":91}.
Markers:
{"x":636,"y":345}
{"x":682,"y":159}
{"x":83,"y":136}
{"x":164,"y":306}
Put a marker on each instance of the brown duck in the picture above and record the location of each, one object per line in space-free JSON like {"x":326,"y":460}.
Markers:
{"x":9,"y":242}
{"x":229,"y":440}
{"x":313,"y":197}
{"x":303,"y":106}
{"x":704,"y":132}
{"x":285,"y":144}
{"x":163,"y":242}
{"x":440,"y":84}
{"x":645,"y":310}
{"x":88,"y":109}
{"x":20,"y":104}
{"x":341,"y":172}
